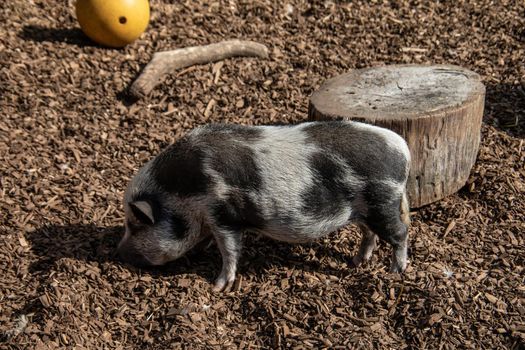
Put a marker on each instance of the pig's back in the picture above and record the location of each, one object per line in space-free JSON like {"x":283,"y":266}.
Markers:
{"x":298,"y":182}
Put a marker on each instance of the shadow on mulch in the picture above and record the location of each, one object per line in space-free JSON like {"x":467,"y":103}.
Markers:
{"x":72,"y":36}
{"x":98,"y":244}
{"x":126,"y":97}
{"x":80,"y":242}
{"x":505,"y":108}
{"x":260,"y":255}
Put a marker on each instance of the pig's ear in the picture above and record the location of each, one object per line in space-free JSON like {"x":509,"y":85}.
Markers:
{"x":143,"y":212}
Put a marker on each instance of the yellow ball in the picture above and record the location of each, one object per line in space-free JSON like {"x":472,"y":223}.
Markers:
{"x":113,"y":23}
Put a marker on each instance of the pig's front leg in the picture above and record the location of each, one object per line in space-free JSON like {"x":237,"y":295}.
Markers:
{"x":229,"y":243}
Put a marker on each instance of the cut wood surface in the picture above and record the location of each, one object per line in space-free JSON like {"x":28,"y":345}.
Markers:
{"x":437,"y":109}
{"x":166,"y":62}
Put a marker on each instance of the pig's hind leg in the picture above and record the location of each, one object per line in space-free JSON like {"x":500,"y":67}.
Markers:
{"x":390,"y":221}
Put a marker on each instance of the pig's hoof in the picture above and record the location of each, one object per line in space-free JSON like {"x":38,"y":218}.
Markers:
{"x":398,"y":268}
{"x":224,"y":284}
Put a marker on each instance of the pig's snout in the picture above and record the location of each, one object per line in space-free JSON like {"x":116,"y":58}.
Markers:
{"x":131,"y":256}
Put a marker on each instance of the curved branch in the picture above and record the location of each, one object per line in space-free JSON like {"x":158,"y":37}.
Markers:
{"x":166,"y":62}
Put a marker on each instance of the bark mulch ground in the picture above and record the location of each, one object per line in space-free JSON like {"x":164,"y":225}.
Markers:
{"x":70,"y":139}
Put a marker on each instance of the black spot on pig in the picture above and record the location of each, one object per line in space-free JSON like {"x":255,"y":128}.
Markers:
{"x":236,"y":163}
{"x":329,"y":193}
{"x":367,"y":153}
{"x":238,"y":212}
{"x":228,"y":153}
{"x":179,"y":169}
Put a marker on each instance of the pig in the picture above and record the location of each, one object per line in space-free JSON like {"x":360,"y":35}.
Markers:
{"x":293,"y":183}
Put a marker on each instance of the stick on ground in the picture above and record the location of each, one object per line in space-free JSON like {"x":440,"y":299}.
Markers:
{"x":166,"y":62}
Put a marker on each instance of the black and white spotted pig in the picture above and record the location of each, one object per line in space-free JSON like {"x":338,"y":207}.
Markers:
{"x":291,"y":183}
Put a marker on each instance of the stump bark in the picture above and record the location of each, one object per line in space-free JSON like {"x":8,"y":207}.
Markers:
{"x":438,"y":109}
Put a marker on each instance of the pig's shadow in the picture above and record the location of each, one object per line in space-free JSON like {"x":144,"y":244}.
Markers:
{"x":80,"y":242}
{"x":91,"y":243}
{"x":97,"y":244}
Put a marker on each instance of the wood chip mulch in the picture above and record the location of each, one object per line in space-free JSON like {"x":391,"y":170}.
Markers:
{"x":70,"y":139}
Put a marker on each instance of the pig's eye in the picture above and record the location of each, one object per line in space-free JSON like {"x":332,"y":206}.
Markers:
{"x":179,"y":226}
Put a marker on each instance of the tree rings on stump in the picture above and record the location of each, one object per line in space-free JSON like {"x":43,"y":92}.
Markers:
{"x":438,"y":109}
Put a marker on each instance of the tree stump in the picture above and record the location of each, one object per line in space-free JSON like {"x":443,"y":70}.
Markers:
{"x":437,"y":109}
